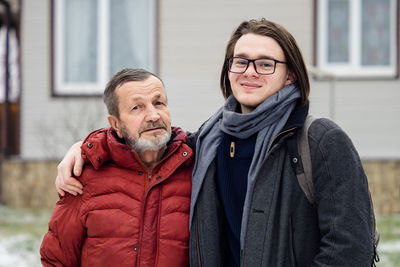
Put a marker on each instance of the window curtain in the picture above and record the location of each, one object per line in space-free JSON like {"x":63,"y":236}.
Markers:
{"x":130,"y":38}
{"x":14,"y":78}
{"x":375,"y":48}
{"x":81,"y":38}
{"x":338,"y":31}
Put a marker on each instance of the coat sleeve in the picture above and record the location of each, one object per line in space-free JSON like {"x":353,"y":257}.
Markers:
{"x":61,"y":246}
{"x":343,"y":202}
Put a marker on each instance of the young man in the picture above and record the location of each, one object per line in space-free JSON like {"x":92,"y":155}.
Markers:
{"x":247,"y":207}
{"x":134,"y":210}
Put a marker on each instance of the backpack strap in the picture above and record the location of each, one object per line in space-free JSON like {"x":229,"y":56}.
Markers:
{"x":304,"y":174}
{"x":305,"y":178}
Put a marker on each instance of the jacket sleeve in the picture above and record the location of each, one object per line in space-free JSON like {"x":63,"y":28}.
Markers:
{"x":61,"y":246}
{"x":343,"y":202}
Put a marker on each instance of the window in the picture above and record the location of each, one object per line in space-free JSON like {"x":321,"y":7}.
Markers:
{"x":10,"y":84}
{"x":93,"y":39}
{"x":357,"y":37}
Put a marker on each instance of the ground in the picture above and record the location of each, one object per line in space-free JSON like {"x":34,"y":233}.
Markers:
{"x":22,"y":230}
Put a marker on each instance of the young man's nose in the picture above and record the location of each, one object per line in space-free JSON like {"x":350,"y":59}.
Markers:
{"x":251,"y":69}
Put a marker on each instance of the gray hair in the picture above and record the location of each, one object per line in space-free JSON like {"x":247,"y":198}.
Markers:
{"x":119,"y":78}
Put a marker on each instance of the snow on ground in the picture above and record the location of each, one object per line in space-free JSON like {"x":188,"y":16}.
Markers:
{"x":389,"y":247}
{"x":22,"y":231}
{"x":20,"y":250}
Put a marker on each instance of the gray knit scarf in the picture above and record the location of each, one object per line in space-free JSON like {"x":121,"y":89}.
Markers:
{"x":267,"y":120}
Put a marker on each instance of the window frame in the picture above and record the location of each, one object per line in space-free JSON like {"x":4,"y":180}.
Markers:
{"x":61,"y":89}
{"x":354,"y":69}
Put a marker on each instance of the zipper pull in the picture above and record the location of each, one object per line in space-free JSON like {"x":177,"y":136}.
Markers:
{"x":232,"y":149}
{"x":146,"y":182}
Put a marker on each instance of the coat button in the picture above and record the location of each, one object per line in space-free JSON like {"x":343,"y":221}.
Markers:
{"x":135,"y":249}
{"x":98,"y":160}
{"x":89,"y":145}
{"x":184,"y":154}
{"x":295,"y":160}
{"x":158,"y":178}
{"x":140,"y":173}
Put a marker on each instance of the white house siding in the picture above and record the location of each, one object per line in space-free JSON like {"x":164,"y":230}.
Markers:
{"x":192,"y":40}
{"x":367,"y":110}
{"x":48,"y":125}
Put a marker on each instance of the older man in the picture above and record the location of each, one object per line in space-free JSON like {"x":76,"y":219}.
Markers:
{"x":134,"y":210}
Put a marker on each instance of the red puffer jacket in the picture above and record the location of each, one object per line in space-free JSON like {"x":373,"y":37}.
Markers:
{"x":126,"y":216}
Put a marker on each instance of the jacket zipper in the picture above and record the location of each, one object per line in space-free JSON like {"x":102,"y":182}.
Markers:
{"x":146,"y":182}
{"x":146,"y":190}
{"x":279,"y":134}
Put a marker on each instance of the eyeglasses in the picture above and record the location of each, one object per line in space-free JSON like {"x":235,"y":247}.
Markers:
{"x":262,"y":66}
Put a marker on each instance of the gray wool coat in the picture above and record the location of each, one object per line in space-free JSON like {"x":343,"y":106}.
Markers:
{"x":283,"y":228}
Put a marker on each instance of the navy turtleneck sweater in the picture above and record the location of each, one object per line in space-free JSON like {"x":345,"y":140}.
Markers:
{"x":234,"y":157}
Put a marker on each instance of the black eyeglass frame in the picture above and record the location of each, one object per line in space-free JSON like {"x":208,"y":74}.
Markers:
{"x":230,"y":61}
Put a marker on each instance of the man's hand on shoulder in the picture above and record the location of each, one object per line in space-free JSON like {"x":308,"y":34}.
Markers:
{"x":72,"y":162}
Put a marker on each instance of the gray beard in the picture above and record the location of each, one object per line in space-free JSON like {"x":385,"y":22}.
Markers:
{"x":146,"y":145}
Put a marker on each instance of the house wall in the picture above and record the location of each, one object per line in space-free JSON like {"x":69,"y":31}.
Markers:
{"x":48,"y":125}
{"x":368,"y":110}
{"x":192,"y":39}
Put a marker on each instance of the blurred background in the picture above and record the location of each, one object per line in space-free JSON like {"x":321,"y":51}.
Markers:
{"x":57,"y":55}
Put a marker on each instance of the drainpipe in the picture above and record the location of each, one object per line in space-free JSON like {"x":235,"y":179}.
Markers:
{"x":6,"y":149}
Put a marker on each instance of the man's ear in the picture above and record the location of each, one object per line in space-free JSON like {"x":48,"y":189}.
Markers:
{"x":291,"y":78}
{"x":114,"y":123}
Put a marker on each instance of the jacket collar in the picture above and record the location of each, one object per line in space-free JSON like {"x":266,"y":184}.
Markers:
{"x":104,"y":145}
{"x":298,"y":117}
{"x":295,"y":121}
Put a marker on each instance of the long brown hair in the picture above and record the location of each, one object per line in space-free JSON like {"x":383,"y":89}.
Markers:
{"x":294,"y":58}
